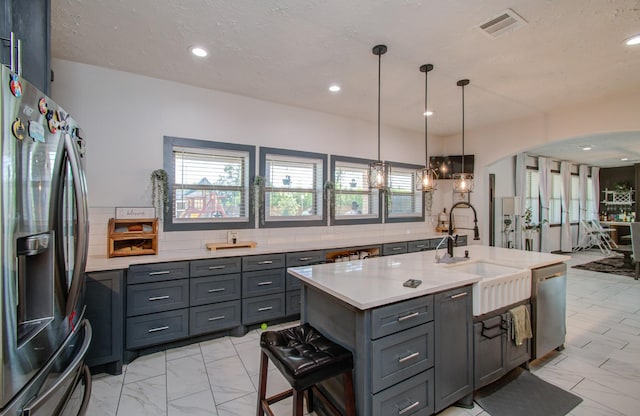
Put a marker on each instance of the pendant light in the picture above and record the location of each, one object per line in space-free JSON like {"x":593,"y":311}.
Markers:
{"x":463,"y":182}
{"x":379,"y":171}
{"x":426,"y":177}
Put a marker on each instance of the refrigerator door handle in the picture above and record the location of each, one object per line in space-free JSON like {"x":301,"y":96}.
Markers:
{"x":80,"y":189}
{"x":42,"y":399}
{"x":86,"y":376}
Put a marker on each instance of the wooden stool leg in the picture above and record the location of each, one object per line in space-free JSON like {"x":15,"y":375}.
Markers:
{"x":262,"y":389}
{"x":349,"y":396}
{"x":309,"y":396}
{"x":297,"y":402}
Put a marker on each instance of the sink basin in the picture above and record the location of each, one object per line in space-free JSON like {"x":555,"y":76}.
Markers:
{"x":482,"y":268}
{"x":500,"y":285}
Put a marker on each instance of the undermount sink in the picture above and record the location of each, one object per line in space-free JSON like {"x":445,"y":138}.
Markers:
{"x":500,"y":285}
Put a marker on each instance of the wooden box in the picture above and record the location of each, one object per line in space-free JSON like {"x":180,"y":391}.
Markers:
{"x":132,"y":237}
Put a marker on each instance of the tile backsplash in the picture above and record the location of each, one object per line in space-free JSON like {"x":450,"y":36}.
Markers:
{"x":174,"y":240}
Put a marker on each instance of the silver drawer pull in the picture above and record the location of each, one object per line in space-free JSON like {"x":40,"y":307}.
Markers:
{"x":459,"y":295}
{"x":396,"y":248}
{"x":266,"y":262}
{"x":266,"y":308}
{"x":216,"y":318}
{"x":411,"y":315}
{"x":267,"y":283}
{"x":305,"y":258}
{"x":421,"y":246}
{"x":408,"y":408}
{"x":409,"y":357}
{"x":159,"y":273}
{"x":217,"y":267}
{"x":220,"y":289}
{"x":160,"y":328}
{"x":159,"y":298}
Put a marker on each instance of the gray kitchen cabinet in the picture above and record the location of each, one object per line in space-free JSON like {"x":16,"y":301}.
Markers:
{"x":263,"y":288}
{"x":213,"y":267}
{"x":419,"y":245}
{"x":104,"y":309}
{"x":263,"y":282}
{"x":390,"y":249}
{"x":305,"y":258}
{"x":157,"y":297}
{"x":292,"y":284}
{"x":263,"y":308}
{"x":158,"y":272}
{"x":213,"y":289}
{"x":453,"y":347}
{"x":30,"y":22}
{"x":214,"y":317}
{"x":157,"y":328}
{"x":263,"y":262}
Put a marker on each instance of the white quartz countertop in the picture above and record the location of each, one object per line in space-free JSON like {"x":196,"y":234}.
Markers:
{"x":370,"y":283}
{"x":102,"y":262}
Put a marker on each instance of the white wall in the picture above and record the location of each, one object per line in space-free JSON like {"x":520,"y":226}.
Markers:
{"x":125,"y":116}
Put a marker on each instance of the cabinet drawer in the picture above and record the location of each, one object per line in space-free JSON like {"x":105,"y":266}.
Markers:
{"x":145,"y":273}
{"x":462,"y":240}
{"x":489,"y":351}
{"x":157,"y":328}
{"x":293,"y":302}
{"x":419,"y":245}
{"x":157,"y":297}
{"x":263,"y":308}
{"x":210,"y":289}
{"x":401,"y":356}
{"x":216,"y":317}
{"x":264,"y":262}
{"x":410,"y":398}
{"x":293,"y":283}
{"x":400,"y":316}
{"x":394,"y":248}
{"x":211,"y":267}
{"x":265,"y":282}
{"x":305,"y":258}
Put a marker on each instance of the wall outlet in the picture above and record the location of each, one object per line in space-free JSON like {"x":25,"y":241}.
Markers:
{"x":232,"y":237}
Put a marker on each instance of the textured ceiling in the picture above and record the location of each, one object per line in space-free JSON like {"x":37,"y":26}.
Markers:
{"x":290,"y":51}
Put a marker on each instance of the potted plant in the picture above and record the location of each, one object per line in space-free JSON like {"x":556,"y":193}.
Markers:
{"x":529,"y":227}
{"x":160,"y":191}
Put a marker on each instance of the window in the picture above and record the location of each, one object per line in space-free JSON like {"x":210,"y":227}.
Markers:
{"x":574,"y":203}
{"x":294,"y":184}
{"x":555,"y":202}
{"x":404,"y":201}
{"x":355,"y":202}
{"x":208,"y":184}
{"x":532,"y":198}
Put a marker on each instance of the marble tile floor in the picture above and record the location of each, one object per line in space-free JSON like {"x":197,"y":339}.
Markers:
{"x":601,"y":363}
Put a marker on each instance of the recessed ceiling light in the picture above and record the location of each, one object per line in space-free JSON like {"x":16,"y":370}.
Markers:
{"x":199,"y":51}
{"x":334,"y":88}
{"x":427,"y":113}
{"x":624,"y":159}
{"x":633,"y":40}
{"x":586,"y":147}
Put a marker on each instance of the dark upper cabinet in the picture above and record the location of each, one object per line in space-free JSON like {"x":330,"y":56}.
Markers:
{"x":30,"y":20}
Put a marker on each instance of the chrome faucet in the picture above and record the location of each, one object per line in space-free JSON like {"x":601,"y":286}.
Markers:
{"x":476,"y":232}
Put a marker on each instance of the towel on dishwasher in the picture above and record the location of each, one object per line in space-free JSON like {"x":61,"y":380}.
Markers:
{"x":521,"y":324}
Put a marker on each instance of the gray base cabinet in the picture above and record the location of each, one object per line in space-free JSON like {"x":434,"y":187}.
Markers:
{"x":454,"y":346}
{"x":104,"y":300}
{"x":395,"y":350}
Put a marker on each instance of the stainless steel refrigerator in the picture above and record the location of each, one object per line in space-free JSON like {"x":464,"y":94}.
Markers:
{"x":43,"y":248}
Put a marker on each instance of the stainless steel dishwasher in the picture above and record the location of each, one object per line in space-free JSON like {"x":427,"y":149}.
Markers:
{"x":549,"y":304}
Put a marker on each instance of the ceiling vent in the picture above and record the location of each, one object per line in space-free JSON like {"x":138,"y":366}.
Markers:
{"x":506,"y":21}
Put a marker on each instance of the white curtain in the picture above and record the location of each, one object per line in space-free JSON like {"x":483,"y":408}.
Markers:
{"x":521,"y":193}
{"x":584,"y":210}
{"x":544,"y":168}
{"x":595,"y":184}
{"x":566,"y":244}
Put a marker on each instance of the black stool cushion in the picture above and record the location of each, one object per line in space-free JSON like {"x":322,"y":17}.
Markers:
{"x":304,"y":356}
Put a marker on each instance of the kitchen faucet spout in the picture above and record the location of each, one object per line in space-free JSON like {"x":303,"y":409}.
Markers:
{"x":476,"y":232}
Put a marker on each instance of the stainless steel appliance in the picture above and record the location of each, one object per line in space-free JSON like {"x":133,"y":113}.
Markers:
{"x":549,"y":304}
{"x":43,"y":249}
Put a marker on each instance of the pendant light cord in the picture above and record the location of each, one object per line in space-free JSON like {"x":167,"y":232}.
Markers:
{"x":462,"y":84}
{"x":379,"y":86}
{"x":426,"y":123}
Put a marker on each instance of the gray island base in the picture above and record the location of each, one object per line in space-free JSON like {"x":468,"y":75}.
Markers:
{"x":413,"y":347}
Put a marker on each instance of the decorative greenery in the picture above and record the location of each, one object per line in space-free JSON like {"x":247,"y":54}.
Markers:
{"x":622,"y":186}
{"x":329,"y":189}
{"x":528,"y":226}
{"x":160,"y":191}
{"x":428,"y":202}
{"x":258,"y":191}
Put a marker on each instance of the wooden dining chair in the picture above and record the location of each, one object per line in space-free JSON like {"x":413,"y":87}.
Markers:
{"x":635,"y":246}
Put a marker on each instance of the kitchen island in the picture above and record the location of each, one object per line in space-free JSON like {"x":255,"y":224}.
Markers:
{"x":413,"y":350}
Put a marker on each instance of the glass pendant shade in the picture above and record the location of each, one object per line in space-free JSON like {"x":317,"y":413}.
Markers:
{"x":379,"y":171}
{"x":426,"y":178}
{"x":463,"y":182}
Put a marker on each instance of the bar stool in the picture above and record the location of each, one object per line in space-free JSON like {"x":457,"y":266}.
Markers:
{"x":304,"y":357}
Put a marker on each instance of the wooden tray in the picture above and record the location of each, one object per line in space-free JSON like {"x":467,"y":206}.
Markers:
{"x":239,"y":244}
